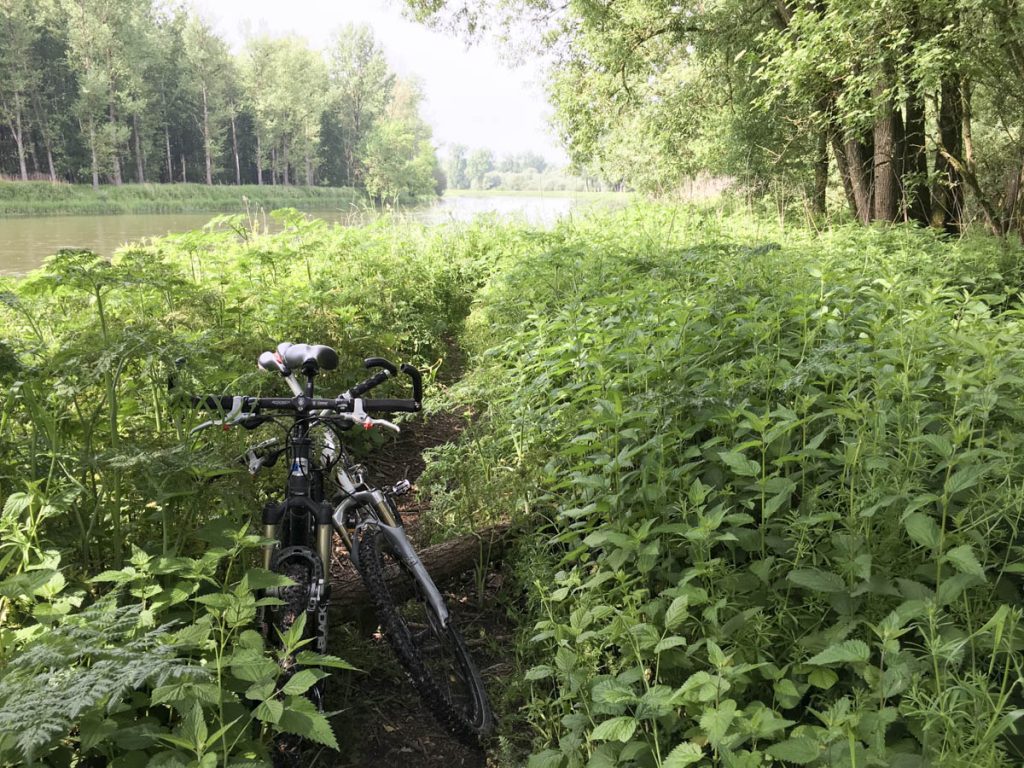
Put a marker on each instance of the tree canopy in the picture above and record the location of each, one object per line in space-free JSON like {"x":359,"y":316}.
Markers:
{"x":140,"y":90}
{"x":914,"y":107}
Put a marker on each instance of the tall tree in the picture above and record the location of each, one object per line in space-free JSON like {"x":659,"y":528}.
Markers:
{"x":19,"y":78}
{"x":211,"y":72}
{"x":361,"y":85}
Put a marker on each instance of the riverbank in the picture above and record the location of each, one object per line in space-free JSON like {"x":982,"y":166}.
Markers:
{"x":589,"y":196}
{"x":41,"y":198}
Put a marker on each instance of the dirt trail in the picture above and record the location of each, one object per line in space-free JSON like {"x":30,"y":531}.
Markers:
{"x":381,"y":720}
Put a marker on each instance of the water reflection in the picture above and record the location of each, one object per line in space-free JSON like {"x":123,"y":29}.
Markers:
{"x":25,"y":242}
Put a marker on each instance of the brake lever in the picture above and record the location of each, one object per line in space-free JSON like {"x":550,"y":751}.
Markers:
{"x":230,"y":418}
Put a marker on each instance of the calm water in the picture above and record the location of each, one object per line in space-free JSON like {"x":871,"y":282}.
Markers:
{"x":25,"y":242}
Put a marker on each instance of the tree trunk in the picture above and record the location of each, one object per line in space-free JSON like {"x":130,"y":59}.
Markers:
{"x":444,"y":561}
{"x":309,"y":172}
{"x":273,"y":165}
{"x":259,"y":160}
{"x":285,"y":177}
{"x":839,"y":153}
{"x":19,"y":141}
{"x":114,"y":156}
{"x":92,"y":149}
{"x":234,"y":149}
{"x":47,"y":145}
{"x":184,"y":178}
{"x":859,"y":164}
{"x":915,"y":162}
{"x":140,"y":165}
{"x":206,"y":139}
{"x":167,"y":143}
{"x":886,"y":172}
{"x":948,"y":193}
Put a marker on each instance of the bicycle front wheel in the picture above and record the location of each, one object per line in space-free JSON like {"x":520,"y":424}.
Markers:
{"x":433,"y":653}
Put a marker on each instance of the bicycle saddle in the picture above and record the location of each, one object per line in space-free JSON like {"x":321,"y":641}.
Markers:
{"x":304,"y":356}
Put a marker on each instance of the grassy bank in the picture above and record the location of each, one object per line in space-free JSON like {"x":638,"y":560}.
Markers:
{"x":40,"y":198}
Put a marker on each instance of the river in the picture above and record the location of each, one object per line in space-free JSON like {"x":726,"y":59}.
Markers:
{"x":26,"y":241}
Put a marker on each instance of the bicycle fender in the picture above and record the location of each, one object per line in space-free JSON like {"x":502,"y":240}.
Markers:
{"x":402,"y":546}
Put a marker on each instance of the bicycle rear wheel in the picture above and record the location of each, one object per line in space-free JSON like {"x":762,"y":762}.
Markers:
{"x":434,"y":654}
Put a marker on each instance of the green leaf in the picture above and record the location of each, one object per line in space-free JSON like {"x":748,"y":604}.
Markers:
{"x":923,"y":530}
{"x":669,"y":642}
{"x":677,"y":612}
{"x":260,"y":691}
{"x":740,"y":464}
{"x":302,"y":681}
{"x":800,"y":750}
{"x":269,"y":711}
{"x":252,"y":666}
{"x":964,"y":560}
{"x":539,"y":672}
{"x":309,"y":658}
{"x":549,"y":758}
{"x":685,"y":754}
{"x":817,"y":581}
{"x":846,"y":652}
{"x":715,"y":722}
{"x":615,"y":729}
{"x":964,"y":478}
{"x":260,"y":578}
{"x":302,"y":718}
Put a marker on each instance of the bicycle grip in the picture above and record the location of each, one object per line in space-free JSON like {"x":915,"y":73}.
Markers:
{"x":370,"y":383}
{"x":380,"y":362}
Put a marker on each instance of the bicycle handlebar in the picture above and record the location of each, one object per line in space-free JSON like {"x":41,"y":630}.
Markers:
{"x":299,"y":404}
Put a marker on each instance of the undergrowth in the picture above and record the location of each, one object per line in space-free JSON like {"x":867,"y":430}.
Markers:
{"x":772,"y":483}
{"x":98,"y":474}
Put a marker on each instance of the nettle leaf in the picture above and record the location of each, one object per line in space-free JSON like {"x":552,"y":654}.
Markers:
{"x":846,"y":652}
{"x":302,"y":681}
{"x":302,"y":718}
{"x":816,"y":580}
{"x":310,"y":658}
{"x":964,"y":560}
{"x":800,"y":750}
{"x":549,"y":758}
{"x":269,"y":711}
{"x":923,"y":530}
{"x":260,"y":578}
{"x":613,"y":692}
{"x":685,"y":754}
{"x":740,"y":464}
{"x":615,"y":729}
{"x":715,"y":722}
{"x":539,"y":672}
{"x":677,"y":612}
{"x":964,"y":478}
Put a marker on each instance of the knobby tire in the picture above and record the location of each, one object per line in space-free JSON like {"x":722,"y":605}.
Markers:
{"x":436,"y":659}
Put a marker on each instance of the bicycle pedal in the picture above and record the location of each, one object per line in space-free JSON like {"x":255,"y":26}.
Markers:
{"x":400,"y":488}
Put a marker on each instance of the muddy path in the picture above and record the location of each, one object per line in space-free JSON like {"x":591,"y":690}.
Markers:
{"x":380,"y":720}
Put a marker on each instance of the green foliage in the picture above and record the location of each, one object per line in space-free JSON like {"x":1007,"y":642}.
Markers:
{"x":774,"y":483}
{"x":165,"y":668}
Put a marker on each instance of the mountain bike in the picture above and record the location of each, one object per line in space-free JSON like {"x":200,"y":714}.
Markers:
{"x":326,"y":495}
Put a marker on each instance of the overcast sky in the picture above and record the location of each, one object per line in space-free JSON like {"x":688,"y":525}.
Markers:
{"x":472,"y":97}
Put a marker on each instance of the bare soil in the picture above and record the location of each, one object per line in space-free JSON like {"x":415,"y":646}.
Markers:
{"x":380,"y":720}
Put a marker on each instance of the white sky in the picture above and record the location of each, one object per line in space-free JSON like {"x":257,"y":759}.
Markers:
{"x":472,"y":97}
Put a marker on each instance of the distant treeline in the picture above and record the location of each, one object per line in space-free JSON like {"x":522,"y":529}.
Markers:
{"x":479,"y":169}
{"x":115,"y":91}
